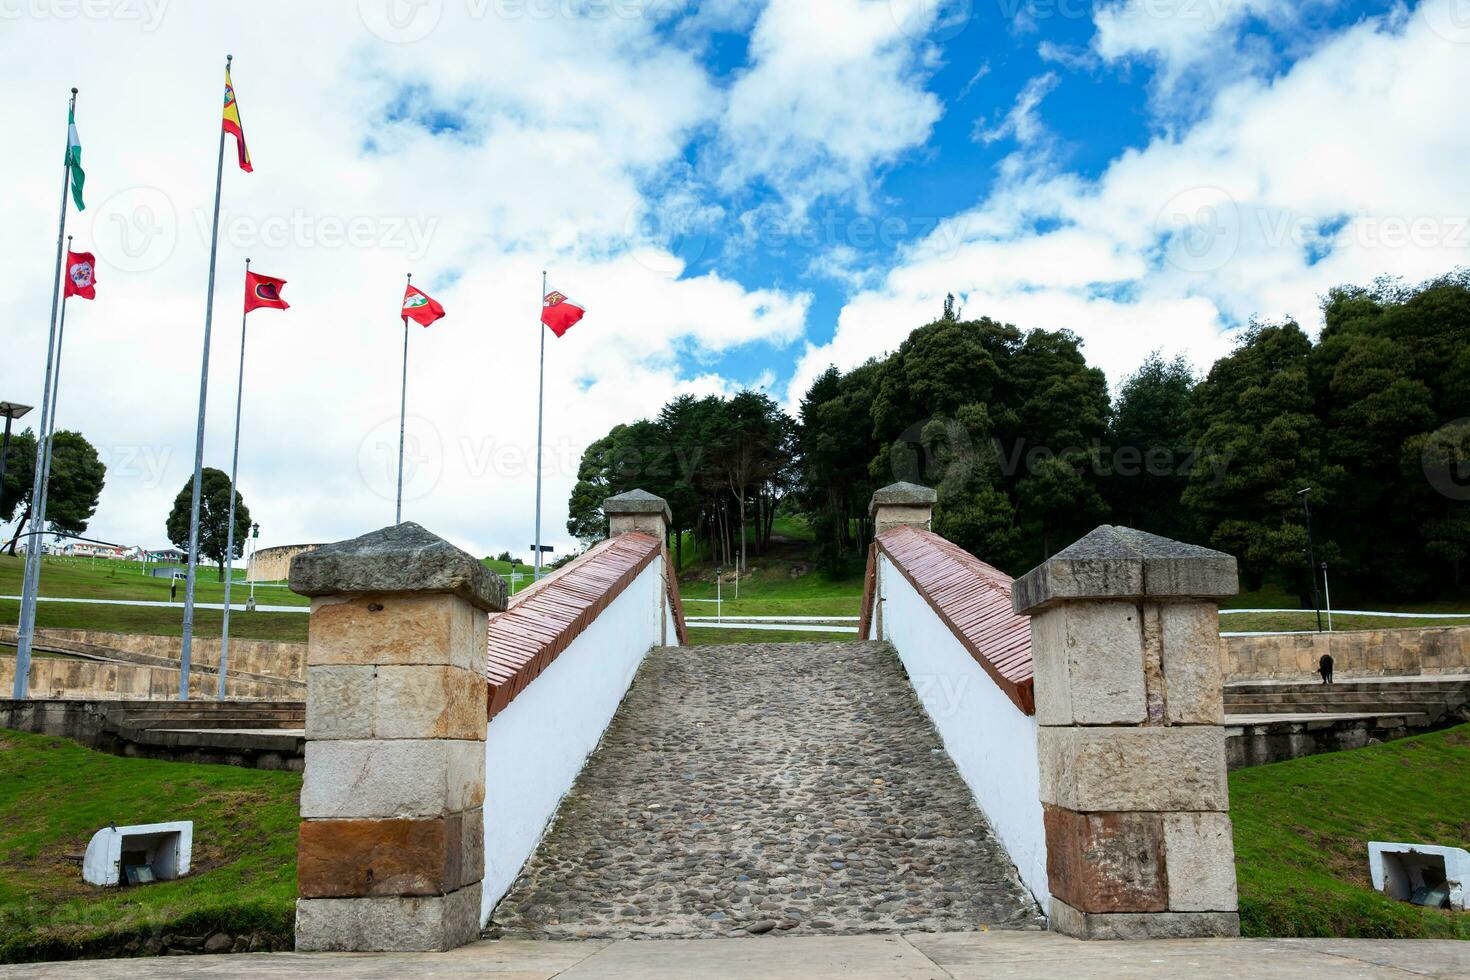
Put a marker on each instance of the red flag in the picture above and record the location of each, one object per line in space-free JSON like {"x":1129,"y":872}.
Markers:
{"x":560,"y":313}
{"x":81,"y":274}
{"x":263,"y":292}
{"x":418,"y":307}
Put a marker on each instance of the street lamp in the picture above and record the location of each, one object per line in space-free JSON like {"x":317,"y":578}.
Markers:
{"x":1311,"y":555}
{"x":11,"y":411}
{"x":250,"y":569}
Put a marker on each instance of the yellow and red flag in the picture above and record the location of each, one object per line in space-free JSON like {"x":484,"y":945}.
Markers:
{"x":560,"y":313}
{"x":233,"y":125}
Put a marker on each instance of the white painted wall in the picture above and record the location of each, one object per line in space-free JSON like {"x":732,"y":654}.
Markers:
{"x":535,"y":748}
{"x":992,"y":742}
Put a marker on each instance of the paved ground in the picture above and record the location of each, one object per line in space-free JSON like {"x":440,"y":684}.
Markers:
{"x":795,"y":788}
{"x":946,"y":956}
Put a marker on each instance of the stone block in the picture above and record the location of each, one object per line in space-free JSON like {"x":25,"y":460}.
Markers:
{"x":1106,"y":862}
{"x":1142,"y":925}
{"x":396,"y":630}
{"x":433,"y":923}
{"x":1193,"y":691}
{"x":359,"y":858}
{"x":396,"y":560}
{"x":1122,"y":563}
{"x":339,"y":702}
{"x":1121,"y":769}
{"x":352,"y":778}
{"x":1199,"y":855}
{"x":1089,"y":664}
{"x":429,"y":702}
{"x":472,"y":846}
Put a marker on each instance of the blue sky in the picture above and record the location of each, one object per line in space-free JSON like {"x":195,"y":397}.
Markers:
{"x":740,"y":191}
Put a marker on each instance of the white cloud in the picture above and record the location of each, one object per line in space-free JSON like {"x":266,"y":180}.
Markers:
{"x":1338,"y":171}
{"x":834,"y":93}
{"x":551,"y":129}
{"x":1022,"y":122}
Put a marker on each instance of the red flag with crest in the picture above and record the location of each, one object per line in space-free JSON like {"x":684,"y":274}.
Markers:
{"x":81,"y":274}
{"x":418,"y":307}
{"x":560,"y":313}
{"x":264,"y":292}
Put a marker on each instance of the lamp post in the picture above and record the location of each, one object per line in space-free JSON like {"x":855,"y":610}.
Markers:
{"x":1327,"y":594}
{"x":1311,"y":555}
{"x":11,"y":411}
{"x":719,"y":607}
{"x":250,"y":566}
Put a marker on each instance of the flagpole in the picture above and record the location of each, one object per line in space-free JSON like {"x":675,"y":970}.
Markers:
{"x":25,"y":628}
{"x":55,"y":400}
{"x":402,"y":416}
{"x":540,"y":408}
{"x":193,"y":556}
{"x":224,"y":635}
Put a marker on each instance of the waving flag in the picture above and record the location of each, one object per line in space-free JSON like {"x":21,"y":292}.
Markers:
{"x":233,"y":125}
{"x":81,"y":274}
{"x":418,"y":307}
{"x":74,"y":157}
{"x":264,"y":292}
{"x":560,"y":313}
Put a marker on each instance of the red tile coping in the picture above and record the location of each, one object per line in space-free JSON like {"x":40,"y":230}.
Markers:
{"x":970,"y":597}
{"x":542,"y":620}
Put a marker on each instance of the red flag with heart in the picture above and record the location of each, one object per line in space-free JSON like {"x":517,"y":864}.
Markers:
{"x":81,"y":274}
{"x":560,"y":313}
{"x":418,"y":307}
{"x":263,"y":292}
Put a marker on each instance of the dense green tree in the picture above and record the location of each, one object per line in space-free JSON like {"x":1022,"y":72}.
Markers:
{"x":72,"y":492}
{"x":214,"y":518}
{"x":1148,"y":451}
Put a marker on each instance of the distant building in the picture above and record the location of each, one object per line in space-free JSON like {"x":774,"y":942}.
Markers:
{"x":274,"y":564}
{"x":164,"y":555}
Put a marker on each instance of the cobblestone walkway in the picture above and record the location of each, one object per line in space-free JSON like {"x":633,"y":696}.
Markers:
{"x":744,"y":789}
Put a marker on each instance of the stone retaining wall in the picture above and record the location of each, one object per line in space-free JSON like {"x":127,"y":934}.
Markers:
{"x":269,"y":658}
{"x":52,"y":677}
{"x":1360,"y":653}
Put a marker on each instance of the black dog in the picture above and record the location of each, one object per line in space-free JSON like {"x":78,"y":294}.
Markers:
{"x":1324,"y":667}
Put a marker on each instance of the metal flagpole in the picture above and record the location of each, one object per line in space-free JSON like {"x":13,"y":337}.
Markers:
{"x":402,"y":416}
{"x":25,"y":629}
{"x":540,"y":407}
{"x":224,"y":634}
{"x":193,"y":556}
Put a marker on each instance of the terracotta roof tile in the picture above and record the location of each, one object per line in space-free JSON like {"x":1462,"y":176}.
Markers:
{"x":972,"y":598}
{"x":544,"y":619}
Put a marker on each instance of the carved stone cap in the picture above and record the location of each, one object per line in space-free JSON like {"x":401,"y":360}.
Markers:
{"x":404,"y":558}
{"x":902,"y":495}
{"x":638,"y":502}
{"x":1121,"y":563}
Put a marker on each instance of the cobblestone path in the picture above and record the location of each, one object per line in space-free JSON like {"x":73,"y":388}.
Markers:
{"x":767,"y":787}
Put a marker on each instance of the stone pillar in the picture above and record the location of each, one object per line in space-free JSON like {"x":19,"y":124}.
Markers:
{"x":1125,"y":639}
{"x":902,"y":503}
{"x":646,"y":513}
{"x":638,"y":510}
{"x":391,"y":850}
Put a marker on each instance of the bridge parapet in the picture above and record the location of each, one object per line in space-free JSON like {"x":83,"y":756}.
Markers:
{"x":1125,"y":642}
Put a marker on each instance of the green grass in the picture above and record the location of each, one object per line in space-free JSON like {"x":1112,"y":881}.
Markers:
{"x":1302,"y":830}
{"x":160,"y":621}
{"x":54,"y":794}
{"x":106,"y":579}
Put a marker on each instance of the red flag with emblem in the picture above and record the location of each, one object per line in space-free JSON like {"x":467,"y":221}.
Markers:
{"x":81,"y":274}
{"x":418,"y":307}
{"x":263,"y":292}
{"x":560,"y":313}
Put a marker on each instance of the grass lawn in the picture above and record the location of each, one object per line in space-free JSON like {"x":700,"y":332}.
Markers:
{"x":107,"y":579}
{"x":1273,"y":596}
{"x":1302,"y":830}
{"x":160,"y":621}
{"x":54,"y":794}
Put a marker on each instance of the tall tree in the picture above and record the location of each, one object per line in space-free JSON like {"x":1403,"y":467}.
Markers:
{"x":1148,"y":447}
{"x":72,"y":492}
{"x":214,"y":518}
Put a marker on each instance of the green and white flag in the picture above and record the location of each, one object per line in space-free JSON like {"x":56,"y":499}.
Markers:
{"x":74,"y":158}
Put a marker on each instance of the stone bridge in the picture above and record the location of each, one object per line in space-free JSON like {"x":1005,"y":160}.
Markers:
{"x":1019,"y":755}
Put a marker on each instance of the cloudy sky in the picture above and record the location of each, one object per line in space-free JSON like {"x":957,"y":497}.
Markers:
{"x":741,"y":193}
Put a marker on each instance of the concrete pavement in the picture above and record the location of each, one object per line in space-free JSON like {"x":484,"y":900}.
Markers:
{"x":913,"y":956}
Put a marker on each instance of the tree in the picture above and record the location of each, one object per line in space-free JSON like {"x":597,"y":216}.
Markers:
{"x":214,"y":518}
{"x":1148,"y":442}
{"x":72,"y":492}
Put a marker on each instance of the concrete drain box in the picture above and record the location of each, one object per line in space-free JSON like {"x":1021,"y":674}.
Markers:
{"x":1425,"y":874}
{"x":139,"y":854}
